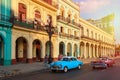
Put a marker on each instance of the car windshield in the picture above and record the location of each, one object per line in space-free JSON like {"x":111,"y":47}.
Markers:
{"x":65,"y":59}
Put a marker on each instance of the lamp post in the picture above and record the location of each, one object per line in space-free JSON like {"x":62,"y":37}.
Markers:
{"x":50,"y":30}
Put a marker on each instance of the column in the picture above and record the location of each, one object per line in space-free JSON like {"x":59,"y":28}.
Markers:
{"x":90,"y":55}
{"x":97,"y":51}
{"x":85,"y":55}
{"x":13,"y":50}
{"x":93,"y":51}
{"x":29,"y":54}
{"x":78,"y":51}
{"x":66,"y":49}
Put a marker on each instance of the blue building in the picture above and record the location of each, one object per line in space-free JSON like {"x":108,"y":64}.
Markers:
{"x":5,"y":32}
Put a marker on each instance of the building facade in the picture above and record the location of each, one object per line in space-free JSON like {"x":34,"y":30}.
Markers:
{"x":68,"y":28}
{"x":24,"y":37}
{"x":30,"y":41}
{"x":5,"y":32}
{"x":95,"y":42}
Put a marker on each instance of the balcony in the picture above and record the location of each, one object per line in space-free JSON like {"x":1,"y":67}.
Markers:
{"x":76,"y":37}
{"x":28,"y":25}
{"x":5,"y":20}
{"x":32,"y":25}
{"x":67,"y":20}
{"x":63,"y":34}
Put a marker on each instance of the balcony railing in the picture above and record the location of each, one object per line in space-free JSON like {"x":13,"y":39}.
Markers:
{"x":69,"y":36}
{"x":33,"y":25}
{"x":67,"y":20}
{"x":4,"y":18}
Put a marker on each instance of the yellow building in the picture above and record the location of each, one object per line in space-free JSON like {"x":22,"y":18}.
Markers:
{"x":30,"y":41}
{"x":68,"y":28}
{"x":95,"y":42}
{"x":75,"y":37}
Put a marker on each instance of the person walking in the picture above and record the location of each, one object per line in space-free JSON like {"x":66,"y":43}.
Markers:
{"x":46,"y":60}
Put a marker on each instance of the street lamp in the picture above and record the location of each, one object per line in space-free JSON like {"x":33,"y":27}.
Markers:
{"x":50,"y":30}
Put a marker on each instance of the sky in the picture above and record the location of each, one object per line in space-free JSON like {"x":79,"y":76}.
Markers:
{"x":97,"y":9}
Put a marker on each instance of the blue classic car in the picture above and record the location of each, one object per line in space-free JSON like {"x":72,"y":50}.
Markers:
{"x":66,"y":63}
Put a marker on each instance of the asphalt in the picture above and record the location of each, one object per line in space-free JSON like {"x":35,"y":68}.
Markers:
{"x":16,"y":69}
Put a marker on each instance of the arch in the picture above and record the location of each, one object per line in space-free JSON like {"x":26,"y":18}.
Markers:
{"x":37,"y":50}
{"x":47,"y":48}
{"x":62,"y":48}
{"x":69,"y":49}
{"x":21,"y":49}
{"x":1,"y":50}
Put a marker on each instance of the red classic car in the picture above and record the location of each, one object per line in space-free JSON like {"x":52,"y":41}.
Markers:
{"x":102,"y":62}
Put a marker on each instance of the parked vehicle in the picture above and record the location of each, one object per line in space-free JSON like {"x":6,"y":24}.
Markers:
{"x":65,"y":64}
{"x":103,"y":62}
{"x":108,"y":61}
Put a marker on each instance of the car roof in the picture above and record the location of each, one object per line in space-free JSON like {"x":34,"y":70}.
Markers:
{"x":68,"y":57}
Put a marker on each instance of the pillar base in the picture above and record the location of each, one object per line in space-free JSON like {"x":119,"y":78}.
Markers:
{"x":55,"y":59}
{"x":6,"y":62}
{"x":30,"y":60}
{"x":14,"y":61}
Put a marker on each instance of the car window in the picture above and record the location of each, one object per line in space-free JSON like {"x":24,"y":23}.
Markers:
{"x":74,"y":59}
{"x":65,"y":59}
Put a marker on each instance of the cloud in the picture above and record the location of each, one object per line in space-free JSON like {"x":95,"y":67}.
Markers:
{"x":90,"y":6}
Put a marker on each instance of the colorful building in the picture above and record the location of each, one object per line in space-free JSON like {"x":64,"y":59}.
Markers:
{"x":68,"y":24}
{"x":5,"y":32}
{"x":95,"y":42}
{"x":24,"y":37}
{"x":30,"y":41}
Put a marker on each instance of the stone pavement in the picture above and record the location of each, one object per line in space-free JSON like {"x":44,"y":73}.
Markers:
{"x":21,"y":68}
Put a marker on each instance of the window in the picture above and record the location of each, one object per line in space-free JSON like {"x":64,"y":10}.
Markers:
{"x":92,"y":34}
{"x":49,"y":19}
{"x":87,"y":32}
{"x":22,"y":12}
{"x":61,"y":30}
{"x":37,"y":14}
{"x":95,"y":35}
{"x":75,"y":33}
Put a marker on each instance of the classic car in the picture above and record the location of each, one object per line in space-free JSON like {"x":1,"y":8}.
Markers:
{"x":65,"y":64}
{"x":102,"y":62}
{"x":108,"y":61}
{"x":98,"y":64}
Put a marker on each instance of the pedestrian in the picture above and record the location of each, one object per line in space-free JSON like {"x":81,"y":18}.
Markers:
{"x":46,"y":60}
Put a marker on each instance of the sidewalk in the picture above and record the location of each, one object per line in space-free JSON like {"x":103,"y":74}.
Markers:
{"x":21,"y":68}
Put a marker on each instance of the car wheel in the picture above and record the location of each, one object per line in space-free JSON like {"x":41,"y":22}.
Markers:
{"x":106,"y":66}
{"x":65,"y":69}
{"x":79,"y":66}
{"x":53,"y":70}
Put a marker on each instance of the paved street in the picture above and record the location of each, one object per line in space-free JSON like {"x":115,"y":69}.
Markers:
{"x":86,"y":73}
